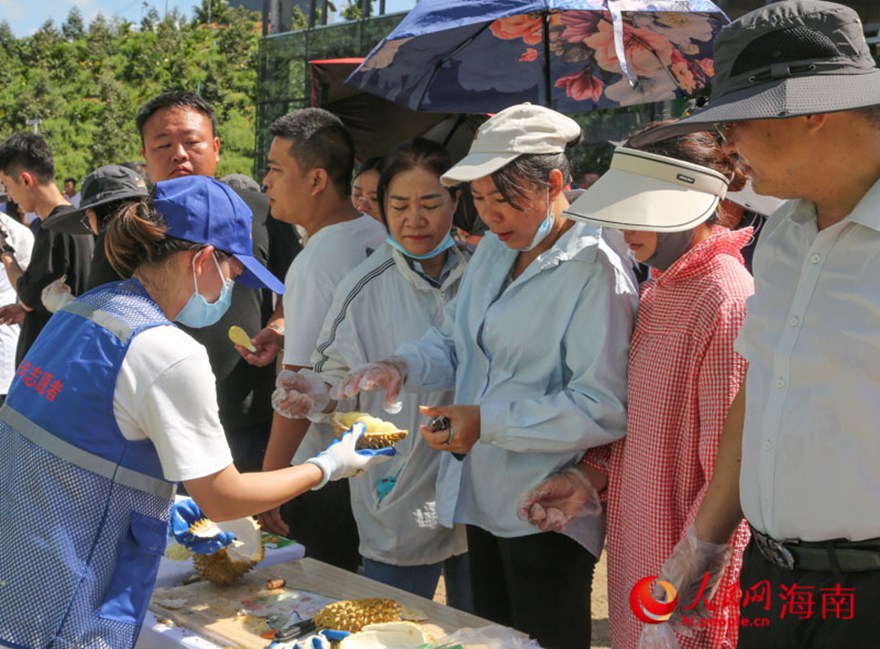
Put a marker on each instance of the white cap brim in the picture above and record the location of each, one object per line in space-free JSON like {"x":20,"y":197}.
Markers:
{"x":477,"y":165}
{"x":644,"y":191}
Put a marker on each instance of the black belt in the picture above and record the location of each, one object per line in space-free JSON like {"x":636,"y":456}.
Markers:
{"x":837,"y":555}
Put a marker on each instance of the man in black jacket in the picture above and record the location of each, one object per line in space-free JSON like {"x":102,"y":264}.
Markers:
{"x":179,"y":136}
{"x":28,"y":171}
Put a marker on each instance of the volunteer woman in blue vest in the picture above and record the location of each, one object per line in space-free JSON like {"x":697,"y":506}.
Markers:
{"x":535,"y":345}
{"x":114,"y":405}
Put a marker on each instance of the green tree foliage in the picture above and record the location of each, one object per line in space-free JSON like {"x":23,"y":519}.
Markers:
{"x":298,"y":20}
{"x":73,"y":27}
{"x":217,"y":12}
{"x":86,"y":82}
{"x":354,"y":10}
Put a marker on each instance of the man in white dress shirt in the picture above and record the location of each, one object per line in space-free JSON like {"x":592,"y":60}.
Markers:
{"x":797,"y":96}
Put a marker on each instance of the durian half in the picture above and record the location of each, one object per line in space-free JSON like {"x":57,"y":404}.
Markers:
{"x":379,"y":433}
{"x":229,"y":564}
{"x":354,"y":614}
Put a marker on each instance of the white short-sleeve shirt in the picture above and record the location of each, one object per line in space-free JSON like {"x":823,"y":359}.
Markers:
{"x":313,"y":276}
{"x":166,"y":392}
{"x":811,"y":451}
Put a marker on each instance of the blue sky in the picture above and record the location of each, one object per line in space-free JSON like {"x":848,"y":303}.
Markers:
{"x":26,"y":16}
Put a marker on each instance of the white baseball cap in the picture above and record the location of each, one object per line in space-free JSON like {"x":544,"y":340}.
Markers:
{"x":521,"y":129}
{"x":646,"y":191}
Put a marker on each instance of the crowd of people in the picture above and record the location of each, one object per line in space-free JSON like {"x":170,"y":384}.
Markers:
{"x":708,"y":430}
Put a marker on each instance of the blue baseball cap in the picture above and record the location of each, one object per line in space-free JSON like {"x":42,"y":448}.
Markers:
{"x":204,"y":210}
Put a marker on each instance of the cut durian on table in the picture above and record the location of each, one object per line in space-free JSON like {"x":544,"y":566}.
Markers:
{"x":352,"y":615}
{"x":229,"y":564}
{"x":387,"y":635}
{"x":379,"y":433}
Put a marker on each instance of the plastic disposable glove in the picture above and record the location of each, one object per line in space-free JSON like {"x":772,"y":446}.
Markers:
{"x":341,"y":460}
{"x":387,"y":374}
{"x":658,"y":636}
{"x":694,"y":568}
{"x":561,"y":497}
{"x":183,"y":514}
{"x":56,"y":295}
{"x":300,"y":394}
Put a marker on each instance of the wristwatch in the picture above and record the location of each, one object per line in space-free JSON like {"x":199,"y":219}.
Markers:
{"x":7,"y":248}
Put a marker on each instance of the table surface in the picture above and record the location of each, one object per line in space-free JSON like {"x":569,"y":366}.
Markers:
{"x":308,"y":575}
{"x":155,"y":635}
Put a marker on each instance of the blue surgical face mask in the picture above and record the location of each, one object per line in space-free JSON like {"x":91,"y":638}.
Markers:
{"x":443,"y":246}
{"x":544,"y":229}
{"x":198,"y":312}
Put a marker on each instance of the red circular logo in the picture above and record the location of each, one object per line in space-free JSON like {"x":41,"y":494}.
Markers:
{"x":646,"y":607}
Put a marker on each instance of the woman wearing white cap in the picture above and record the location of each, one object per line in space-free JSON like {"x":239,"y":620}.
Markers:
{"x":112,"y":406}
{"x":683,"y":371}
{"x":536,"y":346}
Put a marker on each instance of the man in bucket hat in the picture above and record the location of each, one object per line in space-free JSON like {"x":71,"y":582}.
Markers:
{"x":797,"y":96}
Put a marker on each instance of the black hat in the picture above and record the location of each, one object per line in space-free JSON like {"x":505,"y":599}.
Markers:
{"x":104,"y":185}
{"x":796,"y":57}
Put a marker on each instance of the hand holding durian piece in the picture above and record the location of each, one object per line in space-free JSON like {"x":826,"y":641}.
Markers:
{"x":378,"y":433}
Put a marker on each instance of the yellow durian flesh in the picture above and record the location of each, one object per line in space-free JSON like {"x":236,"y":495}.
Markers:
{"x":354,"y":614}
{"x":229,"y":564}
{"x":378,"y":434}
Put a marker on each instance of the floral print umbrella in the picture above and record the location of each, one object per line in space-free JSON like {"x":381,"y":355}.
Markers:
{"x":481,"y":56}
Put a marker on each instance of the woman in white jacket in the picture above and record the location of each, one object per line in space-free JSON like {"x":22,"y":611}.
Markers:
{"x":396,"y":295}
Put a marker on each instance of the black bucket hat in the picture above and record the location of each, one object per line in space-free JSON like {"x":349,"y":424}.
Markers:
{"x":104,"y":185}
{"x":796,"y":57}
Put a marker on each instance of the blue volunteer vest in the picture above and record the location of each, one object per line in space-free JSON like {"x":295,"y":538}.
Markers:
{"x":83,"y":511}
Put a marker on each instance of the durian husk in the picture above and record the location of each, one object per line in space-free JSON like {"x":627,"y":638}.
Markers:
{"x":379,"y":433}
{"x":354,"y":614}
{"x":229,"y":564}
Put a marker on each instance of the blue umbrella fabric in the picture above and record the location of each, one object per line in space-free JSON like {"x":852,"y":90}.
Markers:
{"x":480,"y":56}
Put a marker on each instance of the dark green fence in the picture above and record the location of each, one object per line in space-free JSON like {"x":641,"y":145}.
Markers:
{"x":284,"y":68}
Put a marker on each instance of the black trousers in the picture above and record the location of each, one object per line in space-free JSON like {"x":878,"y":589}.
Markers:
{"x":322,"y":521}
{"x":538,"y":584}
{"x":248,"y":445}
{"x":806,"y":609}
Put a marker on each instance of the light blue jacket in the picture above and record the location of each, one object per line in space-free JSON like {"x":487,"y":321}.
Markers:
{"x":545,"y":359}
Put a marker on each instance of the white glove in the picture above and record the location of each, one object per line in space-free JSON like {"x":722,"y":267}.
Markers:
{"x":387,"y":374}
{"x":300,"y":394}
{"x":341,"y":460}
{"x":56,"y":295}
{"x":559,"y":498}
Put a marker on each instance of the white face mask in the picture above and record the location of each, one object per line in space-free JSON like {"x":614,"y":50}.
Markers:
{"x":544,"y":229}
